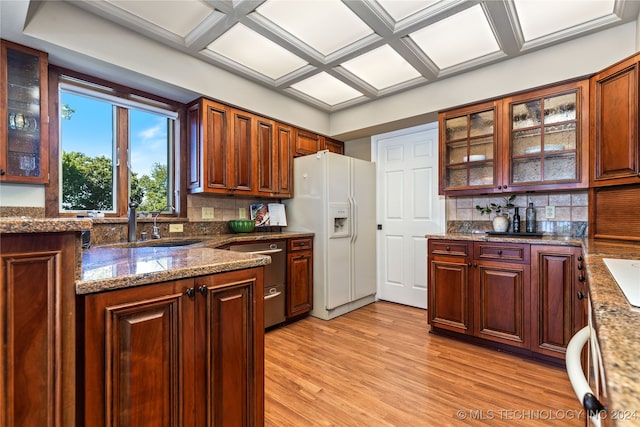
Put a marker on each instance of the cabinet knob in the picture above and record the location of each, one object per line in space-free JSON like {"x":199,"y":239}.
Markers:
{"x":190,"y":292}
{"x":2,"y":172}
{"x":475,"y":264}
{"x":203,"y":289}
{"x":580,"y":258}
{"x":581,"y":278}
{"x":504,"y":187}
{"x":580,"y":267}
{"x":469,"y":264}
{"x":499,"y":187}
{"x":581,"y":295}
{"x":448,"y":248}
{"x":499,"y":251}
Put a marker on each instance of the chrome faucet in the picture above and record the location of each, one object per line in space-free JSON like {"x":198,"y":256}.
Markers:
{"x":132,"y":217}
{"x":156,"y":230}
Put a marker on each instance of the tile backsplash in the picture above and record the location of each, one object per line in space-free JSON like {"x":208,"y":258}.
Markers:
{"x":571,"y":212}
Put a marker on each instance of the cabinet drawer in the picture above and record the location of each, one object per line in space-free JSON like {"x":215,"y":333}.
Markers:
{"x":448,"y":247}
{"x":513,"y":252}
{"x":303,"y":244}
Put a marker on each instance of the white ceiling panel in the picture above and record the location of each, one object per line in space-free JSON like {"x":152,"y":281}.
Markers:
{"x":176,"y":16}
{"x":381,"y":68}
{"x":257,"y":52}
{"x":334,"y":54}
{"x":543,"y":17}
{"x":324,"y":25}
{"x":459,"y":38}
{"x":327,"y":89}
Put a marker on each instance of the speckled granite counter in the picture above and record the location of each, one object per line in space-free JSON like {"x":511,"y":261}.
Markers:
{"x":125,"y":265}
{"x":617,"y":324}
{"x":42,"y":225}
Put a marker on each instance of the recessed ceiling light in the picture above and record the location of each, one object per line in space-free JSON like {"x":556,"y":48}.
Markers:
{"x":178,"y":17}
{"x":327,"y":89}
{"x":543,"y":17}
{"x":326,"y":25}
{"x":248,"y":48}
{"x":381,"y":68}
{"x":459,"y":38}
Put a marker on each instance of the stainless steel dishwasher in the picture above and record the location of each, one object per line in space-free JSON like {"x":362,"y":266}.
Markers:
{"x":274,"y":278}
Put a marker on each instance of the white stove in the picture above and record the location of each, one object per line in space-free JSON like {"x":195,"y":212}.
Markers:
{"x":627,"y":275}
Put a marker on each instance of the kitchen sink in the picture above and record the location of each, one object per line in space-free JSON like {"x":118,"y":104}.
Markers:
{"x":171,"y":244}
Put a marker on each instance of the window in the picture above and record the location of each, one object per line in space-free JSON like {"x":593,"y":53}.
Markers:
{"x":113,"y":149}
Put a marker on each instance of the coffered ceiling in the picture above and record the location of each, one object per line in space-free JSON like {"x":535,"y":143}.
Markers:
{"x":334,"y":54}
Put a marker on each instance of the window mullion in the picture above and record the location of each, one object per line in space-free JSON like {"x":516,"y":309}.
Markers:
{"x":122,"y":144}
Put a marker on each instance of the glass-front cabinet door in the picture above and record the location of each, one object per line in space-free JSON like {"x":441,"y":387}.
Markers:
{"x":547,"y":131}
{"x":24,"y":135}
{"x":468,"y":141}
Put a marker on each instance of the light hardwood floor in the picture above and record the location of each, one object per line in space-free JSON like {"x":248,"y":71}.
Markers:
{"x":379,"y":366}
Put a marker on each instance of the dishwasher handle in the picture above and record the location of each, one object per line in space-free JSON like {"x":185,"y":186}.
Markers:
{"x":265,"y":252}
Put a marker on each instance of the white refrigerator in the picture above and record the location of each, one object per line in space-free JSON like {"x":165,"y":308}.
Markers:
{"x":335,"y":198}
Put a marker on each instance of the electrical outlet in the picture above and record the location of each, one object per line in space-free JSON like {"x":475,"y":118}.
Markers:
{"x":242,"y":212}
{"x":550,"y":212}
{"x":175,"y":228}
{"x":207,"y":213}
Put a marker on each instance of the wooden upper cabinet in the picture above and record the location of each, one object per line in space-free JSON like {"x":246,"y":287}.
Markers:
{"x":536,"y":140}
{"x":334,"y":145}
{"x":469,"y":155}
{"x":284,"y":171}
{"x":306,"y":143}
{"x":546,"y":138}
{"x":24,"y":136}
{"x":615,"y":150}
{"x":242,"y":152}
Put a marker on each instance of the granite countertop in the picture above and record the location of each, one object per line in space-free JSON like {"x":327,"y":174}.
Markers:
{"x":483,"y":237}
{"x":616,"y":322}
{"x":124,"y":265}
{"x":43,"y":225}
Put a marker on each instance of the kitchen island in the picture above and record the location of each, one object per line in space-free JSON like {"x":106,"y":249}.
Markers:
{"x":616,"y":322}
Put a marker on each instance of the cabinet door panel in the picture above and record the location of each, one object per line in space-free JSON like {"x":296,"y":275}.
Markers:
{"x":241,"y":156}
{"x":300,"y":283}
{"x":267,"y":156}
{"x":502,"y":293}
{"x":449,"y":297}
{"x":285,"y":161}
{"x":554,"y":284}
{"x":138,"y":355}
{"x":216,"y":140}
{"x":306,"y":143}
{"x":615,"y":125}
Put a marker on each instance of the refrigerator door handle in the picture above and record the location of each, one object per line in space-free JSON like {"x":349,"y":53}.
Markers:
{"x":354,"y":219}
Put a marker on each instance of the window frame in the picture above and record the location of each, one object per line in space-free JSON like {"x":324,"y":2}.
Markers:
{"x":123,"y":98}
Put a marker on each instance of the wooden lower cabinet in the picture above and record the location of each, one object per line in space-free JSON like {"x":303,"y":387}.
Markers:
{"x":449,"y":296}
{"x":181,"y":353}
{"x":558,"y":297}
{"x":37,"y":330}
{"x":299,"y":299}
{"x":501,"y":292}
{"x":527,"y":296}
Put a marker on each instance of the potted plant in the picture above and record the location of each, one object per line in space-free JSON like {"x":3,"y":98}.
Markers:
{"x":501,"y":220}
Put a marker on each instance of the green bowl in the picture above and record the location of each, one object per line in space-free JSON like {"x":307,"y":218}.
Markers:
{"x":242,"y":225}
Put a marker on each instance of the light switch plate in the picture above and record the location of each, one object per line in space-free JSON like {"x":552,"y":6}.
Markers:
{"x":207,"y":213}
{"x":242,"y":213}
{"x":550,"y":212}
{"x":176,"y":228}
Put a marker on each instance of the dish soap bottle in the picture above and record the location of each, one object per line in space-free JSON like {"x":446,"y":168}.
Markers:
{"x":531,"y":219}
{"x":516,"y":220}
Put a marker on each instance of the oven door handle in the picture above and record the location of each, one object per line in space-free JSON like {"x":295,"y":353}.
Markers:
{"x":265,"y":252}
{"x":273,"y":295}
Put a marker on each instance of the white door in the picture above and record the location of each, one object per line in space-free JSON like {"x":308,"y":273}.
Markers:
{"x":408,"y":208}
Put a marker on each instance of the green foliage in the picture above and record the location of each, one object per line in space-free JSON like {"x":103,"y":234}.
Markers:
{"x":506,"y":205}
{"x":67,"y":111}
{"x":87,"y":184}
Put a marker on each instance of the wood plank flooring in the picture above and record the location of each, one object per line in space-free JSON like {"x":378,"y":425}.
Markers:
{"x":379,"y":366}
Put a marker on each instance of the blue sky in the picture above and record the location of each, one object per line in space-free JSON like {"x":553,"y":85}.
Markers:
{"x":90,"y":131}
